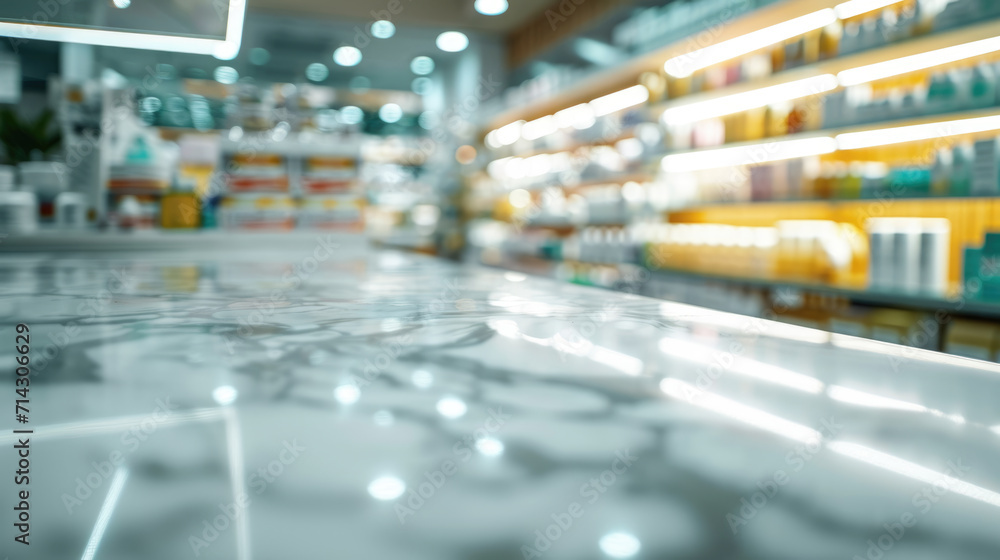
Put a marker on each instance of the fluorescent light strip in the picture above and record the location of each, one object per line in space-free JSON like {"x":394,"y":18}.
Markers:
{"x":114,"y":492}
{"x":686,"y":64}
{"x":747,"y":100}
{"x":579,"y":116}
{"x":887,"y":136}
{"x":914,"y":471}
{"x":720,"y":405}
{"x":748,"y":155}
{"x":226,"y":49}
{"x":537,"y":128}
{"x":508,"y":134}
{"x":857,"y":7}
{"x":619,"y":100}
{"x":921,"y":61}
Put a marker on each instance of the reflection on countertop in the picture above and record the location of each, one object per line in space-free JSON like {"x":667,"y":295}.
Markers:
{"x":328,"y":401}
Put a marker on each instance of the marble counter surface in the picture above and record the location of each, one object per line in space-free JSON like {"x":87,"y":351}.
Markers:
{"x":328,"y":401}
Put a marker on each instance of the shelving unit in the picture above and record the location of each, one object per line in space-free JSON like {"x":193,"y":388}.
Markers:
{"x":668,"y":182}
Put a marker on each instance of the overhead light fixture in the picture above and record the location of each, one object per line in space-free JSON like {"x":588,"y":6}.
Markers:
{"x":422,"y":65}
{"x":452,"y":41}
{"x":898,"y":135}
{"x":383,"y":29}
{"x":226,"y":75}
{"x":747,"y":100}
{"x":857,"y":7}
{"x":347,"y":56}
{"x":390,"y":113}
{"x":579,"y":117}
{"x":686,"y":64}
{"x":930,"y":59}
{"x":749,"y":154}
{"x":421,"y":85}
{"x":317,"y":72}
{"x":619,"y":100}
{"x":508,"y":134}
{"x":537,"y":128}
{"x":491,"y":7}
{"x":351,"y":115}
{"x":222,"y":49}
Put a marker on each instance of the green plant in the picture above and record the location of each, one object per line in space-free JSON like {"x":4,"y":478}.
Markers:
{"x":22,"y":138}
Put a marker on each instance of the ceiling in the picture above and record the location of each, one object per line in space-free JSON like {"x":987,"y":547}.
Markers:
{"x":458,"y":14}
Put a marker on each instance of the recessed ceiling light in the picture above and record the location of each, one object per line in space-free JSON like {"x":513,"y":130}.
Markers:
{"x":452,"y":41}
{"x":491,"y":7}
{"x":226,"y":75}
{"x":422,"y":65}
{"x":317,"y":72}
{"x":122,"y":3}
{"x":390,"y":113}
{"x":427,"y":120}
{"x":383,"y":29}
{"x":421,"y":86}
{"x":259,"y":56}
{"x":347,"y":56}
{"x":351,"y":115}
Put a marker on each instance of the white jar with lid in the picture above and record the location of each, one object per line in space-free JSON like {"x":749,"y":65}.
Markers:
{"x":46,"y":178}
{"x":18,"y":212}
{"x":71,"y":210}
{"x":8,"y":177}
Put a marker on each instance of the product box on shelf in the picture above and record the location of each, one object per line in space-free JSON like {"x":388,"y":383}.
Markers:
{"x":257,"y":211}
{"x":344,"y":211}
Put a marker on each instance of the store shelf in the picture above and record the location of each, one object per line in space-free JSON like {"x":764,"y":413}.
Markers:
{"x":788,"y":203}
{"x":612,"y":79}
{"x":573,"y":146}
{"x":616,"y":178}
{"x":952,"y":303}
{"x":157,"y":240}
{"x":892,"y":51}
{"x":832,"y":132}
{"x":294,"y":145}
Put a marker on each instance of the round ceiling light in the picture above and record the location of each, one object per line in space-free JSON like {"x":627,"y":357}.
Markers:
{"x":390,"y":113}
{"x":347,"y":56}
{"x":383,"y":29}
{"x":351,"y":115}
{"x":226,"y":75}
{"x":491,"y":7}
{"x":422,"y":65}
{"x":317,"y":72}
{"x":452,"y":41}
